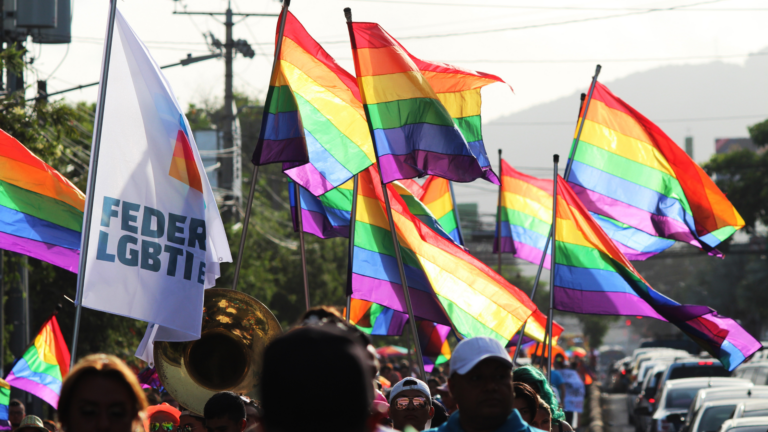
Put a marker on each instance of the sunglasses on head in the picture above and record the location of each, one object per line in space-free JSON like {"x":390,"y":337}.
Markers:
{"x":402,"y":403}
{"x":164,"y":426}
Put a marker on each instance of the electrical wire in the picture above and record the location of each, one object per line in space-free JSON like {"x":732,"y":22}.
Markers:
{"x":678,"y":120}
{"x":555,"y":8}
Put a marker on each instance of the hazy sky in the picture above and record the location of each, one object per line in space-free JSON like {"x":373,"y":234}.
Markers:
{"x":541,"y":63}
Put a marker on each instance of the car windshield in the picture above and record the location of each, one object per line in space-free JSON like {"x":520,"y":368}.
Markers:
{"x":714,"y":417}
{"x":763,"y":428}
{"x":681,"y":398}
{"x":698,"y":371}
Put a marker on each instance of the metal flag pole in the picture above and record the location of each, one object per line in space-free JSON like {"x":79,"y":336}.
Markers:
{"x":91,"y":187}
{"x":569,"y":164}
{"x":255,"y":173}
{"x":352,"y":225}
{"x":297,"y":195}
{"x":498,"y":220}
{"x":555,"y":159}
{"x":392,"y":229}
{"x":456,"y":213}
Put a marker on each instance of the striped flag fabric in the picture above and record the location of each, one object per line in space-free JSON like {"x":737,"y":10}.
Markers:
{"x":526,"y":215}
{"x":5,"y":398}
{"x":375,"y":319}
{"x":326,"y":216}
{"x":433,"y":339}
{"x":315,"y":93}
{"x":592,"y":276}
{"x":438,"y":199}
{"x":414,"y":134}
{"x":647,"y":190}
{"x":40,"y":371}
{"x":41,"y":212}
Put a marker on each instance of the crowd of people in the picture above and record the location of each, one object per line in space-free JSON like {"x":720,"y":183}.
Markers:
{"x":322,"y":375}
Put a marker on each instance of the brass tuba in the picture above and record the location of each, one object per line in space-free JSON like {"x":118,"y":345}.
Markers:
{"x":227,"y":357}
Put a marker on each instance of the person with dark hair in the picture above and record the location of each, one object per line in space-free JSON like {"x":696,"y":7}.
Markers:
{"x":538,"y":382}
{"x":410,"y":404}
{"x":481,"y":383}
{"x":16,"y":413}
{"x":441,"y":414}
{"x":191,"y":422}
{"x":50,"y":425}
{"x":101,"y":393}
{"x":526,"y":401}
{"x":225,"y":412}
{"x":543,"y":419}
{"x":339,"y":399}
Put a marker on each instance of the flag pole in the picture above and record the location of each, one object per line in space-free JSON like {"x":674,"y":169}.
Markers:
{"x":392,"y":229}
{"x":456,"y":213}
{"x":91,"y":187}
{"x":352,"y":225}
{"x":546,"y":246}
{"x":297,"y":194}
{"x":569,"y":164}
{"x":255,"y":173}
{"x":555,"y":159}
{"x":498,"y":220}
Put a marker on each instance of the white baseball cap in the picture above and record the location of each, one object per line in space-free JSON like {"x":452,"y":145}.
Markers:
{"x":472,"y":351}
{"x":409,"y":384}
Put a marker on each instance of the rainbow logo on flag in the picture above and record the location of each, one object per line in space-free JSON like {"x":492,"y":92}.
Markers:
{"x":41,"y":369}
{"x":183,"y":165}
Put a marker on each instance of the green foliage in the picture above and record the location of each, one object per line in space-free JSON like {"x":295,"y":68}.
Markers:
{"x":743,"y":176}
{"x":759,"y":133}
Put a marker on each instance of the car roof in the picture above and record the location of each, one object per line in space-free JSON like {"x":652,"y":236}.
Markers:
{"x":754,"y":404}
{"x":747,"y":421}
{"x":722,"y":402}
{"x":709,"y":381}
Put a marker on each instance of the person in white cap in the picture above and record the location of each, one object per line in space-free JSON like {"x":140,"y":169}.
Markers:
{"x":481,"y":385}
{"x":410,"y":404}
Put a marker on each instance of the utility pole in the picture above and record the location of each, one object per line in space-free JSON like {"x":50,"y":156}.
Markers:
{"x":227,"y":158}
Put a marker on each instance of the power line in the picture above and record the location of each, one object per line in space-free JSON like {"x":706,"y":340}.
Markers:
{"x":679,"y":120}
{"x":624,"y":60}
{"x":556,"y":8}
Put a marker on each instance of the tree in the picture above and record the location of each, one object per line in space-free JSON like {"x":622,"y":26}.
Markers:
{"x":759,"y":133}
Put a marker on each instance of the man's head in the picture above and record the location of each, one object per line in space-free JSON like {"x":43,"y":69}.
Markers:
{"x":224,"y":412}
{"x":16,"y":412}
{"x":162,"y":418}
{"x":31,"y":423}
{"x":481,"y":383}
{"x":410,"y":403}
{"x":338,"y":399}
{"x":191,"y":422}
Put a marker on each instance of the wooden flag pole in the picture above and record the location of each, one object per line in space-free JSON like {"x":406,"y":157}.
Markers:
{"x":299,"y":222}
{"x":255,"y":174}
{"x":91,"y":187}
{"x":352,"y":225}
{"x":392,"y":229}
{"x":555,"y":159}
{"x":498,"y":220}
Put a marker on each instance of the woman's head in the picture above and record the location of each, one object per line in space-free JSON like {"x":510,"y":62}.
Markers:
{"x":101,"y":393}
{"x":526,"y":401}
{"x":538,"y":382}
{"x":543,"y":419}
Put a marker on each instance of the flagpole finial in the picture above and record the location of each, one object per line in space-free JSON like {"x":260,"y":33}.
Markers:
{"x":286,"y":3}
{"x":556,"y":158}
{"x":597,"y":70}
{"x":348,"y":14}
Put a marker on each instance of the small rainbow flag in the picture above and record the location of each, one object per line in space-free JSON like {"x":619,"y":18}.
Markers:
{"x":646,"y":189}
{"x":183,"y":165}
{"x":436,"y":195}
{"x":592,"y":276}
{"x":41,"y":369}
{"x":433,"y":339}
{"x":5,"y":398}
{"x":327,"y":215}
{"x":375,"y":319}
{"x":414,"y":133}
{"x":41,"y":212}
{"x":526,"y":215}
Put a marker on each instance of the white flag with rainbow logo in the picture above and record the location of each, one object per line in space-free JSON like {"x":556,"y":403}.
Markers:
{"x":156,"y":237}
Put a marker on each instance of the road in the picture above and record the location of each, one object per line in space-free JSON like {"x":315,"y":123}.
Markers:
{"x":615,"y":413}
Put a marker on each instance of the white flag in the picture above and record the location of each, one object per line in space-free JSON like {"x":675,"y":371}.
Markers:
{"x":156,"y":237}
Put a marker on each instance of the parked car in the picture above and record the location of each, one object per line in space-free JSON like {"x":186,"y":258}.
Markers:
{"x":750,"y":424}
{"x":738,"y":390}
{"x":757,"y":372}
{"x":752,"y":408}
{"x":647,"y":396}
{"x":674,"y":400}
{"x":694,"y":368}
{"x":711,"y":416}
{"x":638,"y":391}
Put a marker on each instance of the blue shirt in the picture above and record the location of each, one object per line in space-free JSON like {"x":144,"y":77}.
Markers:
{"x":514,"y":423}
{"x":557,"y":379}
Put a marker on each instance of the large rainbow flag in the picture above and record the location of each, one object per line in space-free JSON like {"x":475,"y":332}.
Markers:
{"x":526,"y":215}
{"x":323,"y":98}
{"x":592,"y":276}
{"x":42,"y":368}
{"x":41,"y":212}
{"x":435,"y":193}
{"x":646,"y":189}
{"x":414,"y":134}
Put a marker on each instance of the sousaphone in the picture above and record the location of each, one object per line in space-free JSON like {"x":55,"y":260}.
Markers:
{"x":227,"y":357}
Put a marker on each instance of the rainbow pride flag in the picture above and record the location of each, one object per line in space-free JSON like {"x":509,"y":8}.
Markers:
{"x":476,"y":299}
{"x":438,"y":198}
{"x":592,"y":276}
{"x":41,"y":369}
{"x":526,"y":215}
{"x":414,"y":134}
{"x":41,"y":212}
{"x":326,"y":216}
{"x":322,"y":98}
{"x":646,"y":189}
{"x":433,"y":339}
{"x":5,"y":398}
{"x":375,"y":319}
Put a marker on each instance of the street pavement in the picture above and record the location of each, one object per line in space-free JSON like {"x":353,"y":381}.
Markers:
{"x":615,"y":413}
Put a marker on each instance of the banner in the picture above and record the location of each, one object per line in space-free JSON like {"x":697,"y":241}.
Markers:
{"x":156,"y":237}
